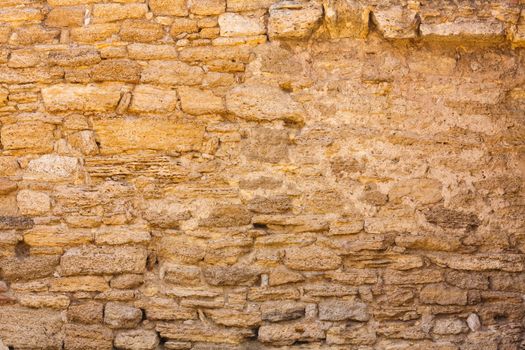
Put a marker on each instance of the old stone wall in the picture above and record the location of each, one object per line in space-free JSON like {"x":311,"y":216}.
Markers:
{"x":253,"y":174}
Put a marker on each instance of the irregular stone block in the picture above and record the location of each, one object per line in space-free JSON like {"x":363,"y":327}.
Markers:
{"x":198,"y":332}
{"x":233,"y":318}
{"x":181,"y":249}
{"x":52,"y":168}
{"x":277,"y":311}
{"x":31,"y":137}
{"x":311,"y":258}
{"x":136,"y":340}
{"x":33,"y":202}
{"x":396,"y":22}
{"x":90,"y":312}
{"x":169,"y":7}
{"x":351,"y":334}
{"x":87,"y":337}
{"x":233,"y":24}
{"x":446,"y":326}
{"x":141,"y":31}
{"x":28,"y":268}
{"x":69,"y":16}
{"x":172,"y":73}
{"x":207,"y":7}
{"x":51,"y":301}
{"x":479,"y":30}
{"x":339,"y":310}
{"x":103,"y":260}
{"x":258,"y":102}
{"x":103,"y":13}
{"x":114,"y":235}
{"x":293,"y":19}
{"x":197,"y":102}
{"x":74,"y":97}
{"x":118,"y":315}
{"x":124,"y":134}
{"x":424,"y":191}
{"x":181,"y":274}
{"x":127,"y":281}
{"x":116,"y":70}
{"x":443,"y":295}
{"x":227,"y":215}
{"x":56,"y":236}
{"x":230,"y":276}
{"x":94,"y":32}
{"x":346,"y":19}
{"x":151,"y":99}
{"x":266,"y":145}
{"x":452,"y":219}
{"x":74,"y":57}
{"x":288,"y":334}
{"x":29,"y":328}
{"x":79,"y":284}
{"x":479,"y":262}
{"x":161,"y":309}
{"x":139,"y":51}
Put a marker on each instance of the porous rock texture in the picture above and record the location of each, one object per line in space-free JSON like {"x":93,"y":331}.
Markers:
{"x":261,"y":174}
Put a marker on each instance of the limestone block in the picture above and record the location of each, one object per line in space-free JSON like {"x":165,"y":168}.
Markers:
{"x":112,"y":12}
{"x":67,"y":16}
{"x":480,"y":30}
{"x":197,"y":102}
{"x":277,"y":311}
{"x":32,"y":137}
{"x":346,"y":18}
{"x":291,"y":19}
{"x":339,"y":310}
{"x":141,"y":31}
{"x":52,"y":301}
{"x":207,"y":7}
{"x":74,"y":57}
{"x":24,"y":327}
{"x":79,"y":337}
{"x":119,"y":315}
{"x":127,"y":134}
{"x":396,"y":22}
{"x":29,"y":267}
{"x":230,"y":276}
{"x":258,"y":102}
{"x":94,"y":32}
{"x":138,"y":51}
{"x":74,"y":97}
{"x":172,"y":73}
{"x":233,"y":318}
{"x":136,"y":340}
{"x":313,"y":258}
{"x":103,"y":260}
{"x":443,"y":295}
{"x":449,"y":326}
{"x":360,"y":335}
{"x":289,"y":333}
{"x":198,"y":332}
{"x":233,"y":24}
{"x":33,"y":202}
{"x":51,"y":167}
{"x":89,"y":312}
{"x":116,"y":70}
{"x":79,"y":284}
{"x":169,"y":7}
{"x":151,"y":99}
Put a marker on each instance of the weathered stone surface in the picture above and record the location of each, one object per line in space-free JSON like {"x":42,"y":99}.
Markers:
{"x":339,"y":310}
{"x":169,"y":7}
{"x":234,"y":275}
{"x":136,"y":340}
{"x":28,"y":267}
{"x":276,"y":311}
{"x":31,"y":137}
{"x":116,"y":70}
{"x":117,"y":135}
{"x":355,"y":335}
{"x":141,"y":31}
{"x":207,"y":7}
{"x":87,"y":337}
{"x":288,"y":334}
{"x":232,"y":318}
{"x":197,"y":102}
{"x":90,"y":312}
{"x":463,"y":30}
{"x":103,"y":260}
{"x":33,"y":202}
{"x":52,"y":301}
{"x":151,"y":99}
{"x":52,"y":168}
{"x":311,"y":258}
{"x":29,"y":328}
{"x":396,"y":22}
{"x":197,"y":332}
{"x":118,"y":315}
{"x":443,"y":295}
{"x":232,"y":24}
{"x":172,"y":72}
{"x":293,"y":19}
{"x":95,"y":98}
{"x":263,"y":103}
{"x":79,"y":284}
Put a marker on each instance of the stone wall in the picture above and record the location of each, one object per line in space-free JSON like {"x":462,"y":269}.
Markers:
{"x":252,"y":174}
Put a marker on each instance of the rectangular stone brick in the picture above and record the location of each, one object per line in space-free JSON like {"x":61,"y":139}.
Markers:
{"x":74,"y":97}
{"x":31,"y":137}
{"x":103,"y":260}
{"x":118,"y":135}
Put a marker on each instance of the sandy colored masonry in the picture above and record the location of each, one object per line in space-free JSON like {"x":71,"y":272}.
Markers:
{"x":262,"y":175}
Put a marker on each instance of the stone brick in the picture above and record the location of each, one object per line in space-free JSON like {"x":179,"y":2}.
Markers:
{"x":127,"y":281}
{"x":56,"y":236}
{"x":141,"y":31}
{"x":75,"y":57}
{"x":396,"y":22}
{"x":51,"y":301}
{"x":183,"y":25}
{"x":89,"y":312}
{"x":94,"y":32}
{"x":355,"y":335}
{"x":66,"y":16}
{"x":277,"y":311}
{"x":232,"y":24}
{"x":464,"y":30}
{"x":197,"y":102}
{"x":139,"y":51}
{"x":117,"y":135}
{"x":172,"y":73}
{"x":339,"y":310}
{"x":424,"y":191}
{"x":263,"y":103}
{"x":118,"y":315}
{"x":116,"y":70}
{"x":29,"y":267}
{"x":23,"y":136}
{"x":293,"y":19}
{"x":247,"y":5}
{"x":103,"y":260}
{"x":169,"y":7}
{"x":33,"y":202}
{"x":116,"y":12}
{"x":449,"y":326}
{"x":207,"y":7}
{"x":197,"y":332}
{"x":136,"y":340}
{"x":288,"y":334}
{"x":51,"y":167}
{"x":227,"y":276}
{"x":29,"y":328}
{"x":311,"y":258}
{"x":87,"y":337}
{"x":79,"y":284}
{"x":232,"y":318}
{"x":443,"y":295}
{"x":73,"y":97}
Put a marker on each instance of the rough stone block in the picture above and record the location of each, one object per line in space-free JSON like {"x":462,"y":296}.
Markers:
{"x":103,"y":260}
{"x":118,"y":315}
{"x":169,"y":7}
{"x":136,"y":340}
{"x":88,"y":98}
{"x":294,"y":19}
{"x":32,"y":137}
